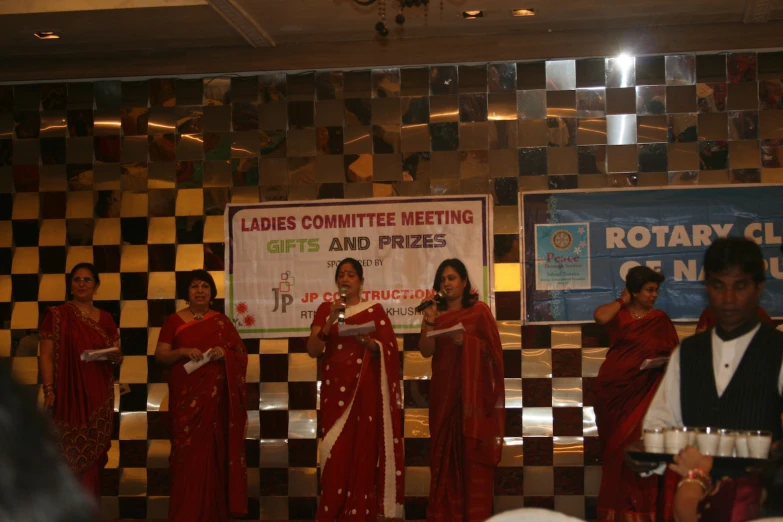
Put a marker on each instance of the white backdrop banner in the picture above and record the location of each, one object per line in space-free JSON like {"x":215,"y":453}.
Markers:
{"x":282,"y":257}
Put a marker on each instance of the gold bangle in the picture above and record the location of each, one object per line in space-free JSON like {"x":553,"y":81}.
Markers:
{"x":703,"y":484}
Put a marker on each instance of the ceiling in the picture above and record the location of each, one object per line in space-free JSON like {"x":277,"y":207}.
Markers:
{"x":262,"y":32}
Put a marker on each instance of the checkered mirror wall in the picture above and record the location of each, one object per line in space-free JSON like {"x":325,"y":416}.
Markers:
{"x":134,"y":176}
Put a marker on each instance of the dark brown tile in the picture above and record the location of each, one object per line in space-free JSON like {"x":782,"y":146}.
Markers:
{"x":594,"y":336}
{"x":274,"y":367}
{"x":569,"y":480}
{"x":302,"y":395}
{"x":297,"y":345}
{"x":513,"y":422}
{"x":252,"y":453}
{"x":417,"y":393}
{"x":539,"y":451}
{"x":274,"y":482}
{"x":512,"y":364}
{"x":540,"y":502}
{"x":110,"y":482}
{"x":158,"y":425}
{"x":537,"y":392}
{"x":158,"y":482}
{"x":133,"y":453}
{"x":302,"y":453}
{"x":252,"y":396}
{"x":509,"y":481}
{"x":415,"y":508}
{"x":588,"y":391}
{"x":592,"y":447}
{"x":508,"y":306}
{"x":567,"y":422}
{"x":536,"y":336}
{"x":567,"y":362}
{"x":302,"y":508}
{"x":417,"y":452}
{"x":274,"y":424}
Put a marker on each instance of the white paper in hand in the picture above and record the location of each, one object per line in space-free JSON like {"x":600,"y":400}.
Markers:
{"x":457,"y":328}
{"x":658,"y":362}
{"x":98,"y":355}
{"x":345,"y":330}
{"x":192,"y":366}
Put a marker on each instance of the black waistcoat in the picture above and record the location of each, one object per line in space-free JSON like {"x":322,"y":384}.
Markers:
{"x":751,"y":401}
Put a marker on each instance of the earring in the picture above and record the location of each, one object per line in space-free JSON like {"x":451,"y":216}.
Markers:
{"x":187,"y":302}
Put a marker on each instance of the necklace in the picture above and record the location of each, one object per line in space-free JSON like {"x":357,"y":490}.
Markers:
{"x":197,"y":317}
{"x":85,"y":315}
{"x":638,"y":315}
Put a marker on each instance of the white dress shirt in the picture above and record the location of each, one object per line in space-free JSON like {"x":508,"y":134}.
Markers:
{"x":666,"y":409}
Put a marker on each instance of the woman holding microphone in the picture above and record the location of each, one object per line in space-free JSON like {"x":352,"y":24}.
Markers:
{"x":361,"y":403}
{"x":467,"y":398}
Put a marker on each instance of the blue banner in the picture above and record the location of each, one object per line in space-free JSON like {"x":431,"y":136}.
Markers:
{"x":578,"y":245}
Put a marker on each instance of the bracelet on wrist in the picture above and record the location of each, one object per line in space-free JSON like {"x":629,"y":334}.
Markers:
{"x":322,"y":335}
{"x":620,"y":302}
{"x":429,"y":323}
{"x":705,"y":486}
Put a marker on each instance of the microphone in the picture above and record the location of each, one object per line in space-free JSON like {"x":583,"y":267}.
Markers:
{"x":435,"y":299}
{"x":341,"y":316}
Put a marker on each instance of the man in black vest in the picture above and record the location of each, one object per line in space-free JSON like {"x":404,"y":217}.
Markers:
{"x":730,"y":376}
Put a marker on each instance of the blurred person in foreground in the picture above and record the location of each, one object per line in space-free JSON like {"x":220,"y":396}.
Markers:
{"x":35,"y":483}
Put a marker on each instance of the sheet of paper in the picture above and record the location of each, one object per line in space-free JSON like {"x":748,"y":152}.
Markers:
{"x":457,"y":328}
{"x":98,"y":355}
{"x":192,"y":366}
{"x":344,"y":330}
{"x":658,"y":362}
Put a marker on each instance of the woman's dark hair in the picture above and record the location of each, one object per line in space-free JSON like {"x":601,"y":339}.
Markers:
{"x":639,"y":276}
{"x":354,"y":263}
{"x":87,"y":266}
{"x":35,"y":483}
{"x":198,"y":275}
{"x":468,"y":297}
{"x":734,"y":252}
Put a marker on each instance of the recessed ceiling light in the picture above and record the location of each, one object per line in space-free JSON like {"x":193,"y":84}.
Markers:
{"x":472,"y":15}
{"x":47,"y":35}
{"x":523,"y":12}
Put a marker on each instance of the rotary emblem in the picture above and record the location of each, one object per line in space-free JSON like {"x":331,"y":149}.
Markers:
{"x":562,"y":240}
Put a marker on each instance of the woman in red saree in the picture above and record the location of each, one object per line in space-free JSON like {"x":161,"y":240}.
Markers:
{"x":208,"y":413}
{"x":467,"y":400}
{"x":362,"y":448}
{"x":80,"y":394}
{"x":623,"y":392}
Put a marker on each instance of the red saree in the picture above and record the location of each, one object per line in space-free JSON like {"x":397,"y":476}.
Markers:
{"x":733,"y":500}
{"x":362,"y":449}
{"x":467,"y":417}
{"x":84,"y":391}
{"x":623,"y":393}
{"x":208,"y":420}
